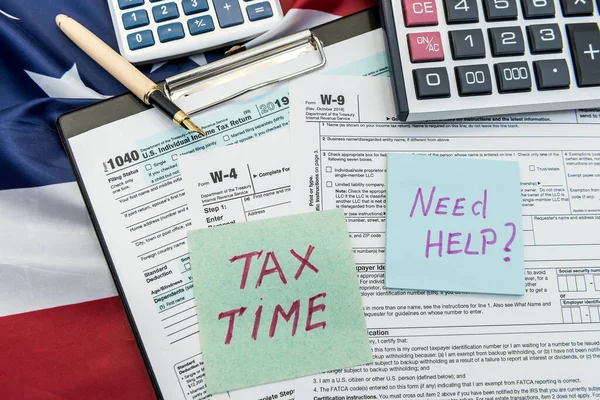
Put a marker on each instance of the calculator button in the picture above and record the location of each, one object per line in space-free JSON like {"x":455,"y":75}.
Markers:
{"x":538,"y":9}
{"x":170,"y":32}
{"x":500,"y":10}
{"x":191,"y":7}
{"x":467,"y":44}
{"x":419,"y":12}
{"x":425,"y":47}
{"x":125,"y":4}
{"x":201,"y":24}
{"x":461,"y":11}
{"x":165,"y":12}
{"x":513,"y":77}
{"x":135,"y":19}
{"x":551,"y":74}
{"x":229,"y":13}
{"x":573,"y":8}
{"x":473,"y":80}
{"x":507,"y":41}
{"x":140,"y":39}
{"x":544,"y":38}
{"x":584,"y":40}
{"x":259,"y":11}
{"x":431,"y":83}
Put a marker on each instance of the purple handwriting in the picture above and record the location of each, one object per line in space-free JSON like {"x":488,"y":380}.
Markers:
{"x":478,"y":207}
{"x":270,"y":266}
{"x":450,"y":243}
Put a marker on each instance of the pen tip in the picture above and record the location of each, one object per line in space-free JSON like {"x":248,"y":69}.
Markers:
{"x":60,"y":18}
{"x":189,"y":125}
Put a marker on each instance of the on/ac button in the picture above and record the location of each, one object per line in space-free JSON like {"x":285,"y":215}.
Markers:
{"x":425,"y":47}
{"x":420,"y":12}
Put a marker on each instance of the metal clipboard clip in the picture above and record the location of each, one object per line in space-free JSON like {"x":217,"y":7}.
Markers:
{"x":249,"y":70}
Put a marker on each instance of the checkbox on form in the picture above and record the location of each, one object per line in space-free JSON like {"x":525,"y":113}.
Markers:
{"x":226,"y":138}
{"x":174,"y":157}
{"x":532,"y":168}
{"x":328,"y":169}
{"x":148,"y":167}
{"x":329,"y":184}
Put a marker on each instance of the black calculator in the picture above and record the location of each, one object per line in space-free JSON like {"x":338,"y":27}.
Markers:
{"x":469,"y":58}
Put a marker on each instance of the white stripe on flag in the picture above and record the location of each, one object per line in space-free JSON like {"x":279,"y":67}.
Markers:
{"x":49,"y":253}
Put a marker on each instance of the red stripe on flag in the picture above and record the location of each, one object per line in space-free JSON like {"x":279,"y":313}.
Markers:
{"x":82,"y":351}
{"x":337,"y":7}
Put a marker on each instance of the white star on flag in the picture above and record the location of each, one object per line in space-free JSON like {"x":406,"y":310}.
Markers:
{"x":68,"y":86}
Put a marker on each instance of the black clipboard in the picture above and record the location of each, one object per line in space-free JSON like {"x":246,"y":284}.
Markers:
{"x":107,"y":111}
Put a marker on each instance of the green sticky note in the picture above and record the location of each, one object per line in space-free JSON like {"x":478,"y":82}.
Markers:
{"x":277,"y":299}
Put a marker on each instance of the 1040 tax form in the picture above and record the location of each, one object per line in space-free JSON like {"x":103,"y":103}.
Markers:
{"x":544,"y":345}
{"x":130,"y":170}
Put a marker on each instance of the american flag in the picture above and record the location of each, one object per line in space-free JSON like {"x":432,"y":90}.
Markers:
{"x":63,"y":331}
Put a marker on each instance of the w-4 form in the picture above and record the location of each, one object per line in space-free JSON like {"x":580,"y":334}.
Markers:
{"x":544,"y":345}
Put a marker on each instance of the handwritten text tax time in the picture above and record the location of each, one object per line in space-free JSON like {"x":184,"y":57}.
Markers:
{"x":457,"y":241}
{"x":271,"y":265}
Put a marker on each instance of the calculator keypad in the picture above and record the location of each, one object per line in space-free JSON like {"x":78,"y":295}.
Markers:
{"x":259,"y":11}
{"x":538,"y":9}
{"x":545,"y":38}
{"x":165,"y":25}
{"x":551,"y":74}
{"x":425,"y":47}
{"x":165,"y":12}
{"x":507,"y":41}
{"x":200,"y":25}
{"x":461,"y":11}
{"x":135,"y":19}
{"x":584,"y":40}
{"x":473,"y":80}
{"x":169,"y":32}
{"x":140,"y":39}
{"x":420,"y":12}
{"x":500,"y":10}
{"x":191,"y":7}
{"x":507,"y":50}
{"x":431,"y":83}
{"x":125,"y":4}
{"x":467,"y":44}
{"x":229,"y":13}
{"x":574,"y":8}
{"x":513,"y":77}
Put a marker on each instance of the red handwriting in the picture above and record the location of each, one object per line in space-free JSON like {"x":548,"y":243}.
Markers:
{"x":312,"y":309}
{"x":279,"y":313}
{"x":304,"y":261}
{"x":268,"y":271}
{"x":294,"y":310}
{"x":271,"y":265}
{"x":247,"y":260}
{"x":271,"y":258}
{"x":257,"y":316}
{"x":231,"y":314}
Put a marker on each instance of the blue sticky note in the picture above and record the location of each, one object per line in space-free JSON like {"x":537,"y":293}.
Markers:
{"x":454,"y":224}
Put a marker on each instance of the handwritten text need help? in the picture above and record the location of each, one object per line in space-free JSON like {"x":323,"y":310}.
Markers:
{"x":271,"y":265}
{"x":428,"y":203}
